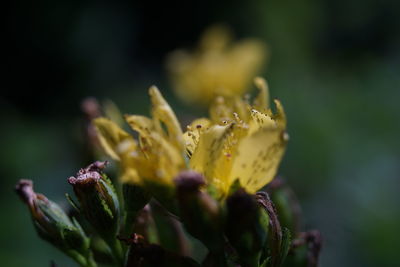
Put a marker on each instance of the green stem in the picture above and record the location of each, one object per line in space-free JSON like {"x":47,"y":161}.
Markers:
{"x":129,"y":222}
{"x":215,"y":259}
{"x":117,"y":251}
{"x":251,"y":260}
{"x":81,"y":260}
{"x":90,"y":260}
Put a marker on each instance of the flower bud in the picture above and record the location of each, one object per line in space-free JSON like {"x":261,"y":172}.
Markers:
{"x":135,"y":198}
{"x":99,"y":203}
{"x":246,"y":227}
{"x":97,"y":198}
{"x":286,"y":203}
{"x":53,"y":225}
{"x":279,"y":239}
{"x":305,"y":249}
{"x":142,"y":254}
{"x":170,"y":231}
{"x":199,"y":212}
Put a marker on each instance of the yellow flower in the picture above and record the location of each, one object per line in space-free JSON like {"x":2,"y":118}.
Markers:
{"x":239,"y":143}
{"x":216,"y":67}
{"x":157,"y":156}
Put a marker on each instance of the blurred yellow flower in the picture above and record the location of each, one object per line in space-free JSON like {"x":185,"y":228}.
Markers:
{"x":218,"y":67}
{"x":240,"y":142}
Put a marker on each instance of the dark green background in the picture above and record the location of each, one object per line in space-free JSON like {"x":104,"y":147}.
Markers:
{"x":334,"y":64}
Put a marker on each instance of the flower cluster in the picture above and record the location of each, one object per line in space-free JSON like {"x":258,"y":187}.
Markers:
{"x":174,"y":186}
{"x":241,"y":143}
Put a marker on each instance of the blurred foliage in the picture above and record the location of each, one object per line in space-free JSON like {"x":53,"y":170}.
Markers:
{"x":333,"y":63}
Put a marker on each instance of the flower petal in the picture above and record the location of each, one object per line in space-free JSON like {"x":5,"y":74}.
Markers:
{"x":192,"y":135}
{"x":261,"y":102}
{"x":260,"y":120}
{"x":209,"y":158}
{"x":280,"y":116}
{"x":141,"y":124}
{"x":164,"y":159}
{"x":113,"y":139}
{"x":162,"y":113}
{"x":258,"y":157}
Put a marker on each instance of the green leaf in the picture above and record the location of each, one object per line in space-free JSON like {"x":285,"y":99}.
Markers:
{"x":285,"y":245}
{"x":72,"y":202}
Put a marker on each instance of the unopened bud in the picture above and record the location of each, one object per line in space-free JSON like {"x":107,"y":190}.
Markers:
{"x":53,"y":225}
{"x":142,"y":253}
{"x":199,"y":212}
{"x":278,"y":244}
{"x":286,"y":203}
{"x":246,"y":227}
{"x":305,"y":249}
{"x":135,"y":198}
{"x":98,"y":200}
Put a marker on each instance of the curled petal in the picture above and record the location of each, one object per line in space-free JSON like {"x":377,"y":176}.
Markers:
{"x":280,"y":116}
{"x":261,"y":102}
{"x":113,"y":139}
{"x":162,"y":113}
{"x":141,"y":124}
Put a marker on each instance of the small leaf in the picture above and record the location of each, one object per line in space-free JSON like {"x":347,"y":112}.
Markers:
{"x":72,"y":202}
{"x":285,"y":245}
